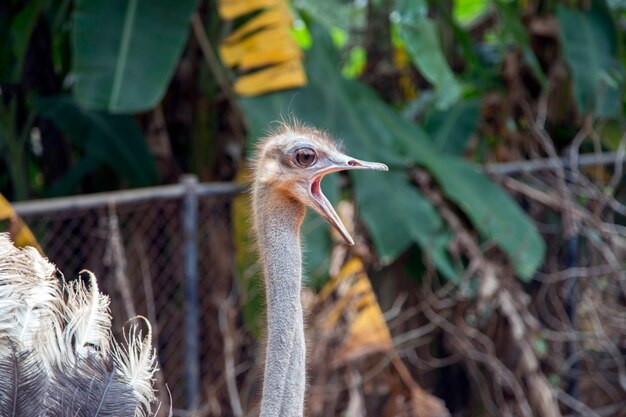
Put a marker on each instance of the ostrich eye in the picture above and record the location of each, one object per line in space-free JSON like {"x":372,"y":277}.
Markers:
{"x":305,"y":157}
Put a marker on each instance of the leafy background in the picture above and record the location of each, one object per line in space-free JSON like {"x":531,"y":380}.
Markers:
{"x":102,"y":95}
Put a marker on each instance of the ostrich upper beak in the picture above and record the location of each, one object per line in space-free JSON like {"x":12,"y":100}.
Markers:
{"x":337,"y":162}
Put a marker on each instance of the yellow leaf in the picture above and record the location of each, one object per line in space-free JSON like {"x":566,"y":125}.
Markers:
{"x":351,"y":267}
{"x":230,"y":9}
{"x":20,"y":232}
{"x":247,"y":270}
{"x":405,"y":80}
{"x":368,"y":334}
{"x":270,"y":46}
{"x":283,"y":52}
{"x":271,"y":17}
{"x":6,"y":211}
{"x":24,"y":237}
{"x":286,"y":75}
{"x":241,"y":224}
{"x":367,"y":329}
{"x":265,"y":40}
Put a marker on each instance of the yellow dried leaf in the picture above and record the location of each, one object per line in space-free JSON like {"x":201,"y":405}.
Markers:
{"x":6,"y":211}
{"x":368,"y":334}
{"x":271,"y":17}
{"x":270,"y":46}
{"x":284,"y":52}
{"x":24,"y":237}
{"x":247,"y":271}
{"x":367,"y":329}
{"x":350,"y":268}
{"x":20,"y":232}
{"x":263,"y":41}
{"x":286,"y":75}
{"x":230,"y":9}
{"x":241,"y":223}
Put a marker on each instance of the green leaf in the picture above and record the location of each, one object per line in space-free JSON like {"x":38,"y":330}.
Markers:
{"x":330,"y":13}
{"x":421,"y":39}
{"x":590,"y":47}
{"x":396,"y":219}
{"x":492,"y":211}
{"x":498,"y":218}
{"x":113,"y":140}
{"x":462,"y":38}
{"x":125,"y":51}
{"x":467,"y":11}
{"x":450,"y":130}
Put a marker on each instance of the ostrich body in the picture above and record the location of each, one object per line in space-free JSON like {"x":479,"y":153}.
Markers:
{"x":57,"y":355}
{"x":288,"y":169}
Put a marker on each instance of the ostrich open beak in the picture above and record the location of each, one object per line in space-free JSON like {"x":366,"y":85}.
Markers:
{"x":337,"y":162}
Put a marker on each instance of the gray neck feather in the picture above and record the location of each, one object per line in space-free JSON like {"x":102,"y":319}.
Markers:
{"x":277,"y":225}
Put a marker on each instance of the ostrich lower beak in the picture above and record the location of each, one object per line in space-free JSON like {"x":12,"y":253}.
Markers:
{"x":338,"y":162}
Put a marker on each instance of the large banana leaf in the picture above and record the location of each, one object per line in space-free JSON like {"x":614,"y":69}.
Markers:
{"x":111,"y":140}
{"x":394,"y":211}
{"x":590,"y":46}
{"x":491,"y":210}
{"x":125,"y":51}
{"x":396,"y":214}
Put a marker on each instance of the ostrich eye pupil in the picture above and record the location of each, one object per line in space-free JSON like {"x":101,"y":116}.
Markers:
{"x":305,"y":157}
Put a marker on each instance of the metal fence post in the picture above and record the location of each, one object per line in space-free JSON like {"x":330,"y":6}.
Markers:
{"x":192,"y":319}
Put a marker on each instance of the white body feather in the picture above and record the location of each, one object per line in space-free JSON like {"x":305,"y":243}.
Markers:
{"x":57,"y":354}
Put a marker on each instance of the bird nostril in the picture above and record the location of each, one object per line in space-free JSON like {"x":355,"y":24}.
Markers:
{"x":353,"y":163}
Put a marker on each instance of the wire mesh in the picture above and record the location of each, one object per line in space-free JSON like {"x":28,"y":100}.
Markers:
{"x":136,"y":251}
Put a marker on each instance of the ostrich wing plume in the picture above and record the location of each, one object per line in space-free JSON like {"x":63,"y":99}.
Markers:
{"x":57,"y":355}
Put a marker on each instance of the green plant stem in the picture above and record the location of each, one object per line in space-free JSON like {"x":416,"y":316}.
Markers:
{"x":213,"y":62}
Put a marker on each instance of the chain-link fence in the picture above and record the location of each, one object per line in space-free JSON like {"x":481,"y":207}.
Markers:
{"x":165,"y":253}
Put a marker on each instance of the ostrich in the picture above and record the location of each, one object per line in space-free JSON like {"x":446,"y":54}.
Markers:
{"x":57,"y":355}
{"x":289,"y":166}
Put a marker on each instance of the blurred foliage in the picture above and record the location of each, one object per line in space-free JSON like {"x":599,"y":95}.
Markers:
{"x":420,"y":36}
{"x":590,"y":46}
{"x":19,"y":231}
{"x":125,"y":52}
{"x":347,"y":107}
{"x":104,"y":139}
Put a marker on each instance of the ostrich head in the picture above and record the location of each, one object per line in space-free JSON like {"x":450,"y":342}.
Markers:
{"x":294,"y":160}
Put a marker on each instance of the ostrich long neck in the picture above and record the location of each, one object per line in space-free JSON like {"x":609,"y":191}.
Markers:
{"x":277,"y":222}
